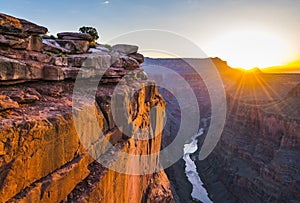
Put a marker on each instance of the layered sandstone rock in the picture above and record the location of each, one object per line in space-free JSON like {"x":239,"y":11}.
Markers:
{"x":42,"y":156}
{"x":74,"y":36}
{"x":42,"y":159}
{"x":24,"y":57}
{"x":20,"y":34}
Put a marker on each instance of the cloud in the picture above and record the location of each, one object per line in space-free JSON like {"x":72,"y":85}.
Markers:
{"x":105,"y":2}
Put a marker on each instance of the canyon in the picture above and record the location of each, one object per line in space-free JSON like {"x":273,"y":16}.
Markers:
{"x":257,"y":157}
{"x":54,"y":91}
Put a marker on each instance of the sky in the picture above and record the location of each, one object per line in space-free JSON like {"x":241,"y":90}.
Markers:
{"x":244,"y":33}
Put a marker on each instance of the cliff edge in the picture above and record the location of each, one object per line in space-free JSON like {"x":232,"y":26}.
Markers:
{"x":42,"y":158}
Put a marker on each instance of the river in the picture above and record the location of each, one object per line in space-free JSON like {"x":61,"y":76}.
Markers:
{"x":199,"y":192}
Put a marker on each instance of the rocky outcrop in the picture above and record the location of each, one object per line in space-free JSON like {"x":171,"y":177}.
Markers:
{"x":42,"y":156}
{"x":20,"y":34}
{"x":74,"y":36}
{"x":73,"y":42}
{"x":125,"y":49}
{"x":42,"y":159}
{"x":62,"y":58}
{"x":19,"y":27}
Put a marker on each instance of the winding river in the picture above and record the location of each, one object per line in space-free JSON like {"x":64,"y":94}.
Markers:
{"x":199,"y":192}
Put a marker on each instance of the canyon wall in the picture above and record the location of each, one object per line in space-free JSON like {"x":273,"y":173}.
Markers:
{"x":257,"y":157}
{"x":181,"y":187}
{"x":42,"y":156}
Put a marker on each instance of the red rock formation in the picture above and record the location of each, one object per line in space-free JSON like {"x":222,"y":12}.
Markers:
{"x":42,"y":158}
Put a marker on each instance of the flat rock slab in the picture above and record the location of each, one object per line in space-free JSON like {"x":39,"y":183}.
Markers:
{"x":18,"y":27}
{"x":11,"y":69}
{"x":74,"y":36}
{"x":125,"y":48}
{"x":74,"y":46}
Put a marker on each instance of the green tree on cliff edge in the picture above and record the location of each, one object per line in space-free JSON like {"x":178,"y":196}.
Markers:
{"x":90,"y":30}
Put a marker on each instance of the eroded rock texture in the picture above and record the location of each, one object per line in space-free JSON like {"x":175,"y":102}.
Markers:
{"x":43,"y":158}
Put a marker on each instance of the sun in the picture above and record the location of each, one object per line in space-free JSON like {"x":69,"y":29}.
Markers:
{"x":248,"y":49}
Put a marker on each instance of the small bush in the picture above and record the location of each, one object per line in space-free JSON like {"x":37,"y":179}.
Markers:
{"x":91,"y":31}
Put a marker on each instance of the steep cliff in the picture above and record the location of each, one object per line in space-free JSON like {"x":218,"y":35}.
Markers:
{"x":42,"y":156}
{"x":257,"y":158}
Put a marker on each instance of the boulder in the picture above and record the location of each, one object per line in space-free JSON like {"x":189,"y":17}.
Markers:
{"x":126,"y":62}
{"x":35,"y":43}
{"x":18,"y":27}
{"x":130,"y":63}
{"x":74,"y":36}
{"x":125,"y":48}
{"x":74,"y":46}
{"x":139,"y":57}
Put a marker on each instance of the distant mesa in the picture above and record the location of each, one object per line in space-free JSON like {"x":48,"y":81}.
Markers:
{"x":254,"y":70}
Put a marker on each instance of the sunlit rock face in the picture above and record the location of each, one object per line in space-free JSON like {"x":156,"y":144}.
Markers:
{"x":20,"y":34}
{"x":43,"y":158}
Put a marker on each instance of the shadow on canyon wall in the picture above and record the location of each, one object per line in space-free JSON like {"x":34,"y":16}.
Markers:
{"x":257,"y":157}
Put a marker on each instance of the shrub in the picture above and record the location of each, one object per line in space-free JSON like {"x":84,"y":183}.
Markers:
{"x":92,"y":31}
